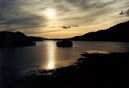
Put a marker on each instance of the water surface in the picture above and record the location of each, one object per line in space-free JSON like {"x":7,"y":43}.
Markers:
{"x":16,"y":61}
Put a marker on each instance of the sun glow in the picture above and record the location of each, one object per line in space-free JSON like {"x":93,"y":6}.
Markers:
{"x":50,"y":13}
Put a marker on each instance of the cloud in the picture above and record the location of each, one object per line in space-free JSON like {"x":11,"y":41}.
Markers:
{"x":75,"y":25}
{"x":30,"y":20}
{"x":29,"y":16}
{"x":13,"y":16}
{"x":88,"y":4}
{"x":72,"y":12}
{"x":127,"y":12}
{"x":66,"y":27}
{"x":124,"y":12}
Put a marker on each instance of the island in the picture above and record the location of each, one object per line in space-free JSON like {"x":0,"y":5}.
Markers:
{"x":64,"y":43}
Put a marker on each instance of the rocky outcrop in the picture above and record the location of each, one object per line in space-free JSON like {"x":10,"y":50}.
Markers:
{"x":64,"y":43}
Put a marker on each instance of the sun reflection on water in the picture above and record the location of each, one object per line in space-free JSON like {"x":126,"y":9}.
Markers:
{"x":50,"y":65}
{"x":51,"y":55}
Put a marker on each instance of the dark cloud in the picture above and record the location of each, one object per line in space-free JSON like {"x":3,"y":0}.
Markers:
{"x":127,"y":12}
{"x":89,"y":4}
{"x":124,"y":12}
{"x":66,"y":27}
{"x":13,"y":14}
{"x":1,"y":17}
{"x":25,"y":21}
{"x":6,"y":4}
{"x":101,"y":4}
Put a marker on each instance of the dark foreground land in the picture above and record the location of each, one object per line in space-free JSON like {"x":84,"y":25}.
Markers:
{"x":90,"y":71}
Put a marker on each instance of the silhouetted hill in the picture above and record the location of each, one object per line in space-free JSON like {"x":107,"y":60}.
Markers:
{"x":37,"y":38}
{"x":119,"y":32}
{"x":16,"y":39}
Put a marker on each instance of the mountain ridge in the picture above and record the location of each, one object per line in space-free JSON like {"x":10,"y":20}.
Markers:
{"x":117,"y":33}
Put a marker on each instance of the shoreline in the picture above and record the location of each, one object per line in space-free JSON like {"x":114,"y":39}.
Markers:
{"x":90,"y":71}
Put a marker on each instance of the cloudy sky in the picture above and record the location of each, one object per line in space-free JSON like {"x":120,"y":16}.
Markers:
{"x":61,"y":18}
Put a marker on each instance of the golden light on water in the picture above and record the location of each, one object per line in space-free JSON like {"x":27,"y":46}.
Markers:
{"x":97,"y":51}
{"x":50,"y":65}
{"x":51,"y":55}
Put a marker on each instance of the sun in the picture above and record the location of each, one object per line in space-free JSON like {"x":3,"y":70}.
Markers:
{"x":50,"y":13}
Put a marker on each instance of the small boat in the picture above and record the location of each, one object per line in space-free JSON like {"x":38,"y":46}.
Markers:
{"x":64,"y":43}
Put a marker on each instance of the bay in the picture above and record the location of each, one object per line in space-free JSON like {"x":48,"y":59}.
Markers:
{"x":15,"y":62}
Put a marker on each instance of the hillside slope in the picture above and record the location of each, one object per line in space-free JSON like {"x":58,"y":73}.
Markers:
{"x":119,"y":32}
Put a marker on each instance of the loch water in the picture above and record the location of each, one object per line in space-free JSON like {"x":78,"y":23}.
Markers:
{"x":15,"y":62}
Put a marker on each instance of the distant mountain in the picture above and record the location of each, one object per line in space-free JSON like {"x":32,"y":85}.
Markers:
{"x":17,"y":39}
{"x":119,"y":33}
{"x":37,"y":38}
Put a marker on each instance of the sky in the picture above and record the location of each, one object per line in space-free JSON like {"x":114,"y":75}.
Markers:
{"x":61,"y":18}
